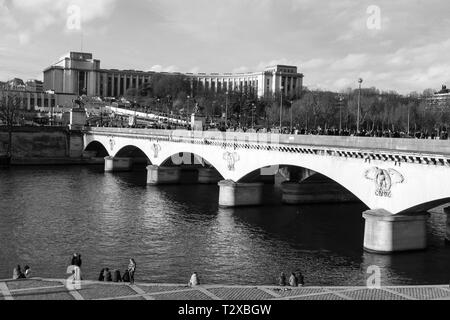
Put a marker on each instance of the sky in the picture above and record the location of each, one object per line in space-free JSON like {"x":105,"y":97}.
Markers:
{"x":400,"y":45}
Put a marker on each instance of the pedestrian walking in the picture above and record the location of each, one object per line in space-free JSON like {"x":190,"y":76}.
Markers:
{"x":132,"y":270}
{"x":78,"y":261}
{"x":74,"y":260}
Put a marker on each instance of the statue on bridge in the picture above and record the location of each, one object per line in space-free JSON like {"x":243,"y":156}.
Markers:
{"x":198,"y":110}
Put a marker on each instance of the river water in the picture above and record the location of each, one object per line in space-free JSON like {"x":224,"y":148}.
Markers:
{"x":48,"y":213}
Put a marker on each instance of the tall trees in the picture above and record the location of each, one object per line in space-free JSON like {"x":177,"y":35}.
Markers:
{"x":314,"y":109}
{"x":9,"y":115}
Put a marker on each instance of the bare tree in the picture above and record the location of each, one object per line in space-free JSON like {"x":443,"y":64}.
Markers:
{"x":9,"y":115}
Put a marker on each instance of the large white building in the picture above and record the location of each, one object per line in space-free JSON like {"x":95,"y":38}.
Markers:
{"x":440,"y":98}
{"x":79,"y":73}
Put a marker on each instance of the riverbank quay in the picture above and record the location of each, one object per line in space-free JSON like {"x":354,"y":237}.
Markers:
{"x":44,"y":146}
{"x":54,"y":289}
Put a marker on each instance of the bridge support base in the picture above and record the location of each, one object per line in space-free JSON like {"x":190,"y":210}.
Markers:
{"x":163,"y":175}
{"x":208,"y":176}
{"x":118,"y":164}
{"x":188,"y":175}
{"x":315,"y":190}
{"x":234,"y":194}
{"x":387,"y":233}
{"x":447,"y":236}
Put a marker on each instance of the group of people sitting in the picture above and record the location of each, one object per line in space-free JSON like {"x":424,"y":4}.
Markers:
{"x":107,"y":275}
{"x":294,"y":280}
{"x":18,"y":274}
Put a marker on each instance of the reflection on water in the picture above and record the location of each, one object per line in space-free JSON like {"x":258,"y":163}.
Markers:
{"x":47,"y":214}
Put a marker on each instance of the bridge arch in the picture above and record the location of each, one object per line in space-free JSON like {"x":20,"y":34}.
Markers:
{"x":138,"y":155}
{"x":329,"y":170}
{"x":303,"y":174}
{"x":98,"y":149}
{"x":190,"y":158}
{"x":424,"y":207}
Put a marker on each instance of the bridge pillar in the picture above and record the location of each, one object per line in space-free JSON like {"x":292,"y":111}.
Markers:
{"x":234,"y":194}
{"x":115,"y":164}
{"x":388,"y":233}
{"x":316,"y":189}
{"x":208,"y":176}
{"x":163,"y":175}
{"x":188,"y":175}
{"x":447,"y":235}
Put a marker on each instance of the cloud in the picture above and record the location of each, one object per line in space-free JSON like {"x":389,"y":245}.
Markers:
{"x":90,"y":9}
{"x":36,"y":16}
{"x":351,"y":62}
{"x":24,"y":38}
{"x":160,"y":68}
{"x":7,"y":21}
{"x":241,"y":69}
{"x":328,"y":40}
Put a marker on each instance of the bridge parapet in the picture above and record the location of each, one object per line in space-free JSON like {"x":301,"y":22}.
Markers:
{"x":428,"y":152}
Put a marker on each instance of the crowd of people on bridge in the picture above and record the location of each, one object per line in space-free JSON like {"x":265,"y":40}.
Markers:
{"x":424,"y":135}
{"x":119,"y":121}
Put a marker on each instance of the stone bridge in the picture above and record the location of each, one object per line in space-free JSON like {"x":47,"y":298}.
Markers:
{"x":397,"y":179}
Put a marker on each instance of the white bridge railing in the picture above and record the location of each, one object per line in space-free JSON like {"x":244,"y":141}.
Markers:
{"x":435,"y":152}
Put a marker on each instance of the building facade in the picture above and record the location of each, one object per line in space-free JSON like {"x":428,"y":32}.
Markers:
{"x":440,"y":98}
{"x":32,"y":96}
{"x":79,"y":73}
{"x":32,"y":101}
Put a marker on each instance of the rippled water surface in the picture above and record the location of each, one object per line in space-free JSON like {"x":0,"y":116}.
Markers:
{"x":47,"y":214}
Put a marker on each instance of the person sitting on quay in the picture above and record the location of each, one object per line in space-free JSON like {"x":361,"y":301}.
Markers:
{"x":27,"y":272}
{"x":301,"y":279}
{"x":107,"y":277}
{"x":17,"y":273}
{"x":101,"y":276}
{"x":194,"y":281}
{"x":116,"y":277}
{"x":282,"y":280}
{"x":293,"y":280}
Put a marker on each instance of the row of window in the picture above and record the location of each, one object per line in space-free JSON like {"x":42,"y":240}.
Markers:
{"x":28,"y":103}
{"x":117,"y":86}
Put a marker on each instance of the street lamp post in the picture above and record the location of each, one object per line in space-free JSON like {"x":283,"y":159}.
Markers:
{"x":226,"y":110}
{"x":408,"y":123}
{"x":52,"y":94}
{"x":360,"y":81}
{"x":135,"y":114}
{"x":341,"y":100}
{"x":292,"y":104}
{"x":188,"y":110}
{"x":253,"y":115}
{"x":281,"y":108}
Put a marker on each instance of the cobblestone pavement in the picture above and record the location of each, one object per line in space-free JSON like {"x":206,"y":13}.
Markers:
{"x":48,"y":289}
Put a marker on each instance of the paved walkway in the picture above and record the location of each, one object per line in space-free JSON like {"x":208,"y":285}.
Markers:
{"x":50,"y":289}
